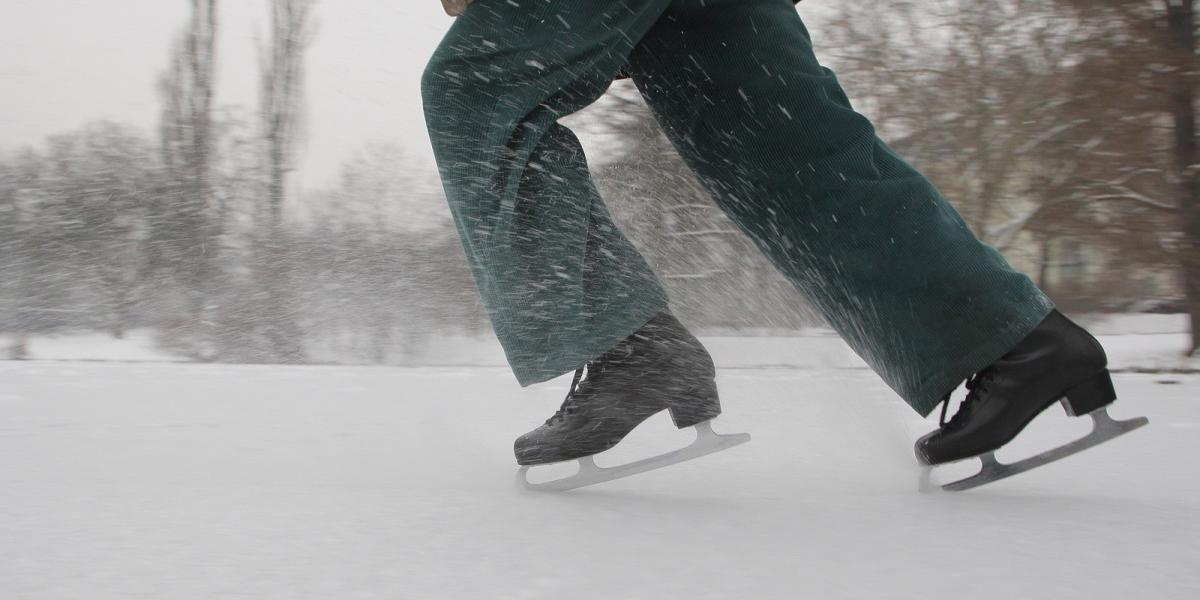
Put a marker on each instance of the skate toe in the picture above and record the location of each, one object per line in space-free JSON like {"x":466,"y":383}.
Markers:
{"x":925,"y":448}
{"x":528,"y":449}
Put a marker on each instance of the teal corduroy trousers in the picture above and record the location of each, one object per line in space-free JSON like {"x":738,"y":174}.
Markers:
{"x":770,"y":134}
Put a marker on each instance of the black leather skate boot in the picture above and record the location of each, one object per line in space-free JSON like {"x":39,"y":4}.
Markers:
{"x":1058,"y":360}
{"x":660,"y":366}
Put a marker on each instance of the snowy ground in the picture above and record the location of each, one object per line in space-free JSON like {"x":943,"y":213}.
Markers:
{"x":1135,"y":343}
{"x":170,"y":481}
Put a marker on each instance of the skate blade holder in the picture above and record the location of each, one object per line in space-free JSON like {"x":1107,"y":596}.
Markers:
{"x":1104,"y":429}
{"x":707,"y":442}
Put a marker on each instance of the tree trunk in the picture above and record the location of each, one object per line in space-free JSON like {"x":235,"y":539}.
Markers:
{"x":282,"y":88}
{"x":190,"y":230}
{"x":1181,"y":25}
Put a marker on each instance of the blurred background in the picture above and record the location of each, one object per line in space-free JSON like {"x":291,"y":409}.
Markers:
{"x":252,"y":181}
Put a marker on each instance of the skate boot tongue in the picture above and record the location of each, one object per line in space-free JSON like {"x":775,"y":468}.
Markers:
{"x":578,"y":395}
{"x":582,"y":388}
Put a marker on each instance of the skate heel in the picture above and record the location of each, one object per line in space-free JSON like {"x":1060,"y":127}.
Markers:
{"x":1094,"y":393}
{"x":695,"y":406}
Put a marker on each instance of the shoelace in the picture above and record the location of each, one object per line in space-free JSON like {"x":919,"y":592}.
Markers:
{"x":572,"y":400}
{"x":975,"y":387}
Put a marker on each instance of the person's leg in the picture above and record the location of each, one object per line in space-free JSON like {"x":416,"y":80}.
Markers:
{"x":560,"y":282}
{"x":882,"y":255}
{"x":563,"y":287}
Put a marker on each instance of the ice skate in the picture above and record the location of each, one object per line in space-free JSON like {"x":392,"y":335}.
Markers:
{"x":659,"y":367}
{"x":1058,"y":361}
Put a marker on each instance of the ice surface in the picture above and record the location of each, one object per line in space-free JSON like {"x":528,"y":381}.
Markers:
{"x":168,"y":481}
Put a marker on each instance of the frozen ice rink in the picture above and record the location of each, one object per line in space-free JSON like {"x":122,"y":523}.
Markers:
{"x":162,"y":481}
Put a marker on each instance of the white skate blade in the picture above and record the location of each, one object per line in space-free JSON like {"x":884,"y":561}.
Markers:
{"x":707,"y":442}
{"x":1104,"y":428}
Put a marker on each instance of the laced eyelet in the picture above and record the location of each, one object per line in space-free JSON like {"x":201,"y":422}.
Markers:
{"x":569,"y":403}
{"x":976,"y":386}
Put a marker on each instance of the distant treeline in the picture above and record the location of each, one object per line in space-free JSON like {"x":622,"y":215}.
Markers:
{"x":1064,"y":132}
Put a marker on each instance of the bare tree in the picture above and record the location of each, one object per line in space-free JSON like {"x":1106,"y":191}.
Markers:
{"x":100,"y":187}
{"x":17,"y":270}
{"x":281,"y":97}
{"x":184,"y":226}
{"x":1043,"y":121}
{"x":1181,"y":45}
{"x":974,"y":95}
{"x":1144,"y":73}
{"x":282,"y":94}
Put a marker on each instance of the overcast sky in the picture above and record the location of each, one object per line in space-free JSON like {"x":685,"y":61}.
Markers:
{"x":66,"y":62}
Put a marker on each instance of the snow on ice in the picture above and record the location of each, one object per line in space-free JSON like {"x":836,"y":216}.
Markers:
{"x":206,"y":481}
